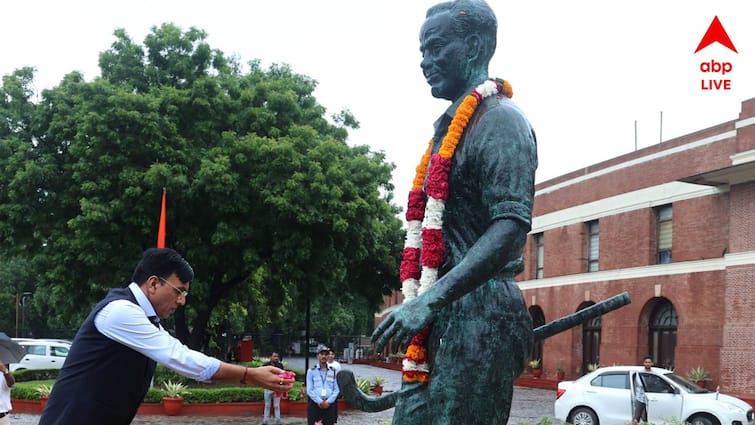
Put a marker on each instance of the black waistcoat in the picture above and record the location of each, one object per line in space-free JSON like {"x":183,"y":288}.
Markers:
{"x":102,"y":381}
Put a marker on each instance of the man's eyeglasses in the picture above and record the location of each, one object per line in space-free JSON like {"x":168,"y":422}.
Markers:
{"x":180,"y":292}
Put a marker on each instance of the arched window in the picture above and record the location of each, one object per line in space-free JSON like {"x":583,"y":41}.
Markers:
{"x":591,"y":342}
{"x":538,"y":319}
{"x":662,"y":334}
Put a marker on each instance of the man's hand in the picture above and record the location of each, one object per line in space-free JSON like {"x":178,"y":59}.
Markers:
{"x":324,"y":404}
{"x":268,"y":377}
{"x":403,"y":323}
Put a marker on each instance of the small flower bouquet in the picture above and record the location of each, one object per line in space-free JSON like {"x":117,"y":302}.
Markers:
{"x":285,"y":375}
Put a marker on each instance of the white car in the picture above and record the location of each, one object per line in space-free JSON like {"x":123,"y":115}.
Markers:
{"x":42,"y":354}
{"x":604,"y":397}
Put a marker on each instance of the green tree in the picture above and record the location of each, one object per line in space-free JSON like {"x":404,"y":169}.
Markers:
{"x":265,"y":198}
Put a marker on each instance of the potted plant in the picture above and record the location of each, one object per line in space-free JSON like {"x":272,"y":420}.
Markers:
{"x":535,"y":365}
{"x":173,"y":399}
{"x":43,"y":391}
{"x":560,"y":372}
{"x":363,"y":384}
{"x":377,"y":385}
{"x":698,"y":375}
{"x":591,"y":367}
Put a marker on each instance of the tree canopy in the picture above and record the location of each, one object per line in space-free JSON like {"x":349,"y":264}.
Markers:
{"x":266,"y":199}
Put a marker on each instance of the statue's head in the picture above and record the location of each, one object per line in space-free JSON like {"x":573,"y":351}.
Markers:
{"x":457,"y":41}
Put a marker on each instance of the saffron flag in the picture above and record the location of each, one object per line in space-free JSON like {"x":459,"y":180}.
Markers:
{"x":161,"y":228}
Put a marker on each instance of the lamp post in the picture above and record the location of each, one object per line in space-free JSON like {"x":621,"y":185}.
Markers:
{"x":23,"y":313}
{"x":17,"y":302}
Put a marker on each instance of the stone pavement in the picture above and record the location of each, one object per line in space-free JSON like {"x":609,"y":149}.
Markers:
{"x":529,"y":406}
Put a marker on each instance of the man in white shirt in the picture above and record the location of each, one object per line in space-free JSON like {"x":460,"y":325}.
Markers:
{"x":6,"y":384}
{"x":336,"y":366}
{"x":112,"y":359}
{"x":332,"y":362}
{"x":640,"y":399}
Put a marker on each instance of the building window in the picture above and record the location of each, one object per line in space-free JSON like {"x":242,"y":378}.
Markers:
{"x":593,"y":245}
{"x":662,"y":331}
{"x":539,"y":251}
{"x":538,"y":319}
{"x":663,"y":217}
{"x":591,"y":342}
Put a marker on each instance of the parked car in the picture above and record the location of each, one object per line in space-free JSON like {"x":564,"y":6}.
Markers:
{"x":604,"y":397}
{"x":42,"y":354}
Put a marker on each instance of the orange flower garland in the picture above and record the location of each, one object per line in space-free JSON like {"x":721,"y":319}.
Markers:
{"x":423,"y":248}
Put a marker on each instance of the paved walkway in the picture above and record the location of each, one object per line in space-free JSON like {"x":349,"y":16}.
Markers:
{"x":529,"y":406}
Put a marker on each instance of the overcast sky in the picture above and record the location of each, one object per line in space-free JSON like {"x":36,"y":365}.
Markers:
{"x":583,"y":71}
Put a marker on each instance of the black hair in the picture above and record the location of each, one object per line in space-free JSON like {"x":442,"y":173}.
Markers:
{"x":162,"y":262}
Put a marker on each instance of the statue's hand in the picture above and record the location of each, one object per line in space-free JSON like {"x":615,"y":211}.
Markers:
{"x":403,"y":323}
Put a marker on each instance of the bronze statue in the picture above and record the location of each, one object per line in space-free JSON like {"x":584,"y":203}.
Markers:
{"x":464,"y":319}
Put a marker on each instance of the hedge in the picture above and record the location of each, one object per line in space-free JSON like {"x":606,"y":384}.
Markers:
{"x":229,"y":394}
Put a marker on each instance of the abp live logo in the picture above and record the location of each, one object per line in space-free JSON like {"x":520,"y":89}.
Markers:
{"x":715,"y":34}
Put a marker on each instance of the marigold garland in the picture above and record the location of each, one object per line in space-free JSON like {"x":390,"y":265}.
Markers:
{"x":424,"y":247}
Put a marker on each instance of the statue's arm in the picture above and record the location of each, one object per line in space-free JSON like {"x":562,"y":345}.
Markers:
{"x":501,"y":243}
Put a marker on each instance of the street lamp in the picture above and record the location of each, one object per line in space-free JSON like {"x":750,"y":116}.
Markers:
{"x":23,"y":312}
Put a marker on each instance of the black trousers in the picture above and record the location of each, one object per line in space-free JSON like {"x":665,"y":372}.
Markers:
{"x":640,"y":412}
{"x":315,"y":413}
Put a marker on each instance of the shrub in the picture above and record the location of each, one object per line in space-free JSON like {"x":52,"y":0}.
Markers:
{"x":154,"y":395}
{"x":28,"y":390}
{"x":225,"y":395}
{"x":297,"y":394}
{"x":211,"y":395}
{"x":43,"y":390}
{"x":200,"y":393}
{"x":27,"y":375}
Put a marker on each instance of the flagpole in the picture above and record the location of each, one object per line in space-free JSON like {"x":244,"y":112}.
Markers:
{"x":161,"y":228}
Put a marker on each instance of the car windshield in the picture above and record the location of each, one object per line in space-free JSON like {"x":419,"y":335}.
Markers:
{"x":688,"y":386}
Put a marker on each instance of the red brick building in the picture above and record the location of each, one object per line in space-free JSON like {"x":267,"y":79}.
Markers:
{"x":674,"y":226}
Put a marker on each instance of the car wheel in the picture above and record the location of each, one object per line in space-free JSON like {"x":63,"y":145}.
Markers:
{"x":702,"y":420}
{"x":583,"y":416}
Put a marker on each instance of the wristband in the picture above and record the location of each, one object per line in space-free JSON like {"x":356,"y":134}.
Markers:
{"x":243,"y":380}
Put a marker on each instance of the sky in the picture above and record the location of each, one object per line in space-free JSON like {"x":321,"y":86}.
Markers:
{"x":596,"y":79}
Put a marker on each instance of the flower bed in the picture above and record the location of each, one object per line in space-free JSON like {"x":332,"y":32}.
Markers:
{"x":254,"y":408}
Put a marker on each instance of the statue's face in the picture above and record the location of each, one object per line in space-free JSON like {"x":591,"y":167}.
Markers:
{"x":443,"y":57}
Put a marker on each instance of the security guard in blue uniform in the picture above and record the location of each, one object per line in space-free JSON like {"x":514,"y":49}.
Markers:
{"x":322,"y":391}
